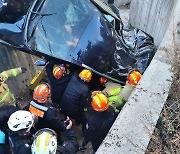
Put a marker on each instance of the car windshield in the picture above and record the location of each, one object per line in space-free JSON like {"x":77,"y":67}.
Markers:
{"x":56,"y":27}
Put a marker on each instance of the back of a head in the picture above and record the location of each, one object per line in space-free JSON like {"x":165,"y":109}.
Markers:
{"x":99,"y":102}
{"x":85,"y":75}
{"x":103,"y":80}
{"x":20,"y":120}
{"x":59,"y":71}
{"x":41,"y":93}
{"x":45,"y":142}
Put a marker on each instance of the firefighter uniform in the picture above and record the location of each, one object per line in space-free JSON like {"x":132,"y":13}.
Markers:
{"x":113,"y":91}
{"x":57,"y":85}
{"x":98,"y":126}
{"x":48,"y":116}
{"x":19,"y":143}
{"x":70,"y":146}
{"x":6,"y":97}
{"x":75,"y":99}
{"x":5,"y":113}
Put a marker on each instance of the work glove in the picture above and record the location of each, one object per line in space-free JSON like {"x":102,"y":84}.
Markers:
{"x":23,"y":69}
{"x":2,"y":137}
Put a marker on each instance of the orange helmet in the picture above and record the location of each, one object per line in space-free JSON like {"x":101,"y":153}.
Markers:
{"x":102,"y":80}
{"x":99,"y":102}
{"x":59,"y":71}
{"x":85,"y":75}
{"x":41,"y":93}
{"x":134,"y":77}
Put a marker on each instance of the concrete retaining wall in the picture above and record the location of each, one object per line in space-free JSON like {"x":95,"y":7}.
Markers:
{"x":152,"y":16}
{"x":11,"y":59}
{"x":131,"y":132}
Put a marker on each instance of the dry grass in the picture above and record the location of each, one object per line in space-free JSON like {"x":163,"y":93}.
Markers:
{"x":166,"y":137}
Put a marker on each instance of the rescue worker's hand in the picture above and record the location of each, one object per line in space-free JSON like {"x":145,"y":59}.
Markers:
{"x":68,"y":122}
{"x":23,"y":69}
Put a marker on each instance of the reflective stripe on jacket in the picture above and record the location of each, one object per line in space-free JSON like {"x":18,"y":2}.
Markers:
{"x":11,"y":73}
{"x":6,"y":97}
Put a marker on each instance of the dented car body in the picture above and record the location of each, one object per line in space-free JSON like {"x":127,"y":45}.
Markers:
{"x":78,"y":32}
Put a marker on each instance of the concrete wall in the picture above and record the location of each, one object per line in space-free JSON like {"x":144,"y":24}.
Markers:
{"x":11,"y":59}
{"x":152,"y":16}
{"x":133,"y":128}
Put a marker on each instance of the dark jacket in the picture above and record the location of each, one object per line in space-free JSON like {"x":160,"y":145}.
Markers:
{"x":16,"y":143}
{"x":70,"y":146}
{"x":57,"y":85}
{"x":50,"y":117}
{"x":19,"y":143}
{"x":75,"y":97}
{"x":5,"y":113}
{"x":98,"y":126}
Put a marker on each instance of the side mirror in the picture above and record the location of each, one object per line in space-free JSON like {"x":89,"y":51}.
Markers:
{"x":40,"y":62}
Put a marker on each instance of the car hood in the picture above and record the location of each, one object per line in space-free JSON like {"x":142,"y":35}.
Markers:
{"x":99,"y":48}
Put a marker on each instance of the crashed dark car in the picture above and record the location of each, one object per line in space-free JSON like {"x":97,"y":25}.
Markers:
{"x":85,"y":33}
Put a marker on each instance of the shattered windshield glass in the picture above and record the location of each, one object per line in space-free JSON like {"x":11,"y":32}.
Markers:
{"x":57,"y":26}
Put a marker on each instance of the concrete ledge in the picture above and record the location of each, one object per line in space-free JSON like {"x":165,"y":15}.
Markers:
{"x":134,"y":125}
{"x":131,"y":132}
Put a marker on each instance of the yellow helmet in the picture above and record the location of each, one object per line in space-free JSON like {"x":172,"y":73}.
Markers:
{"x":85,"y":75}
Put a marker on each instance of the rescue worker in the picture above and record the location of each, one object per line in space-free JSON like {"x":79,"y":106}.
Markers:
{"x":118,"y":95}
{"x":19,"y":136}
{"x":112,"y":91}
{"x":99,"y":122}
{"x":48,"y":116}
{"x":134,"y":77}
{"x":75,"y":97}
{"x":59,"y":76}
{"x":50,"y":145}
{"x":6,"y":97}
{"x":5,"y":113}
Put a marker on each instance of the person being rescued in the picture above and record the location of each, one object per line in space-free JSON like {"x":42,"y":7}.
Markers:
{"x":6,"y":97}
{"x":117,"y":94}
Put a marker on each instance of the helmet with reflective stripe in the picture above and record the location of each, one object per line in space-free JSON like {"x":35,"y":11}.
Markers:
{"x":45,"y":142}
{"x":99,"y":102}
{"x":20,"y":120}
{"x":134,"y":77}
{"x":85,"y":75}
{"x":59,"y":71}
{"x":41,"y":93}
